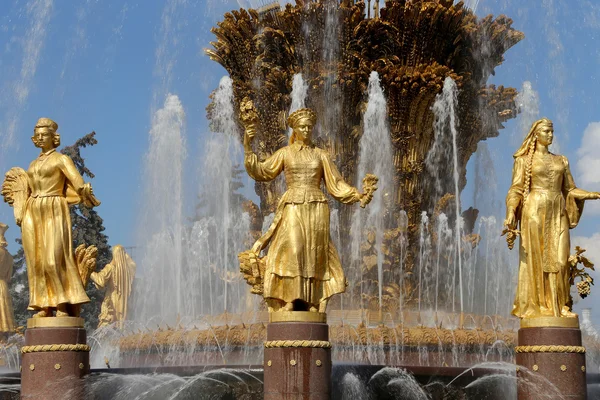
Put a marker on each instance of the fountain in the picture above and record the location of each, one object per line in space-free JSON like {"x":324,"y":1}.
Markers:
{"x":396,"y":100}
{"x":403,"y":93}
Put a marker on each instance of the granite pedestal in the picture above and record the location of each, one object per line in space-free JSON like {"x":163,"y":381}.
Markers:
{"x":297,"y":357}
{"x":550,"y":359}
{"x":55,"y":358}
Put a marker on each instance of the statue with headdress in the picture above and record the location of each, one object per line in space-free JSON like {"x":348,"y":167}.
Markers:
{"x":7,"y":319}
{"x":542,"y":205}
{"x":41,"y":197}
{"x":301,"y":269}
{"x":117,"y":279}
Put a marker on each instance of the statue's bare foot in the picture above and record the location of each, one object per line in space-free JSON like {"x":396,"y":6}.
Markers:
{"x":313,"y":309}
{"x":288,"y":307}
{"x":41,"y":314}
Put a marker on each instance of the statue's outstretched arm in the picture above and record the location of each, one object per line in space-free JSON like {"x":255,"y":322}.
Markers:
{"x":336,"y":186}
{"x":571,"y":189}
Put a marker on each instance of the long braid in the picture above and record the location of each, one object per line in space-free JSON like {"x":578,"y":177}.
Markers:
{"x":528,"y":166}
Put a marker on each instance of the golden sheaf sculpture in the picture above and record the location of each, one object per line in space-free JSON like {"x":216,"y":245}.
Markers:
{"x":544,"y":201}
{"x":117,"y":278}
{"x":7,"y":319}
{"x":41,"y":197}
{"x":301,"y":269}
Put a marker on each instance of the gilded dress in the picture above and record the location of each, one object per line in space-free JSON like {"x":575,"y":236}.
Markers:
{"x":7,"y":320}
{"x":53,"y":276}
{"x":546,"y":217}
{"x":302,"y":262}
{"x":117,"y":279}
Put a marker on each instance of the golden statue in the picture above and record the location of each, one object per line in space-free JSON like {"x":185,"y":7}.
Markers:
{"x":117,"y":278}
{"x":545,"y":202}
{"x":7,"y":319}
{"x":41,"y":198}
{"x":302,"y":269}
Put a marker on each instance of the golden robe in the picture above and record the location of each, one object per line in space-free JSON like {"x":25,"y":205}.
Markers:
{"x":117,"y":279}
{"x":301,"y":263}
{"x":545,"y":217}
{"x":46,"y":228}
{"x":7,"y":320}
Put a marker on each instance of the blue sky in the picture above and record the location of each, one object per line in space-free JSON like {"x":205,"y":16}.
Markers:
{"x":108,"y":65}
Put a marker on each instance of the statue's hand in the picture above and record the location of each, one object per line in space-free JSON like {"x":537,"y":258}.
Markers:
{"x":593,"y":196}
{"x":86,"y":194}
{"x":365,"y":198}
{"x":510,"y":221}
{"x":249,"y":134}
{"x":510,"y":228}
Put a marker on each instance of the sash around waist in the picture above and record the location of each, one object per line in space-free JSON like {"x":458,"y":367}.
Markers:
{"x":541,"y":190}
{"x":301,"y":195}
{"x":39,"y":195}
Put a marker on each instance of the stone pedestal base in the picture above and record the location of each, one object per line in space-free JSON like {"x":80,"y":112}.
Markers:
{"x":297,"y":361}
{"x":551,"y":354}
{"x":54,"y":359}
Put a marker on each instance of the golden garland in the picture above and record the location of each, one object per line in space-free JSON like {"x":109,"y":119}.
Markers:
{"x":54,"y":347}
{"x":550,"y":349}
{"x":324,"y":344}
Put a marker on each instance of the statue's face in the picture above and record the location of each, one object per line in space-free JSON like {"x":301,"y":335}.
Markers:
{"x":545,"y":135}
{"x":43,"y":138}
{"x":303,"y":129}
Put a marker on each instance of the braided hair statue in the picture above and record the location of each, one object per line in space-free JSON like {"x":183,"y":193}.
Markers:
{"x":545,"y":203}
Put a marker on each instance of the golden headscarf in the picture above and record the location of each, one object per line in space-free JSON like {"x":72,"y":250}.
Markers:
{"x":531,"y":136}
{"x":123,"y":274}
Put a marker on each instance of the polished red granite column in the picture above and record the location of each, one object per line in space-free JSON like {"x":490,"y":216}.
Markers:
{"x":549,"y":351}
{"x":55,"y":358}
{"x":297,"y":357}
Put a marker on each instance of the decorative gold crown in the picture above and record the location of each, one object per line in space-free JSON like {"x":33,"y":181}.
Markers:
{"x":303,"y":113}
{"x":47,"y":123}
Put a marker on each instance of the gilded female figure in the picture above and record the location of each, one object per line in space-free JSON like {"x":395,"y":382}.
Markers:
{"x":52,"y":183}
{"x":117,"y":278}
{"x":7,"y":320}
{"x":302,"y":269}
{"x":543,"y":198}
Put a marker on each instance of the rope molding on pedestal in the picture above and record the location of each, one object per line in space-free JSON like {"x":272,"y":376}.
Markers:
{"x":54,"y":347}
{"x":324,"y":344}
{"x":549,"y":349}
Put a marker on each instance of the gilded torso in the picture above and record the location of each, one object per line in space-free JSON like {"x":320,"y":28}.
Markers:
{"x":303,"y":170}
{"x":547,"y":172}
{"x":45,"y":175}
